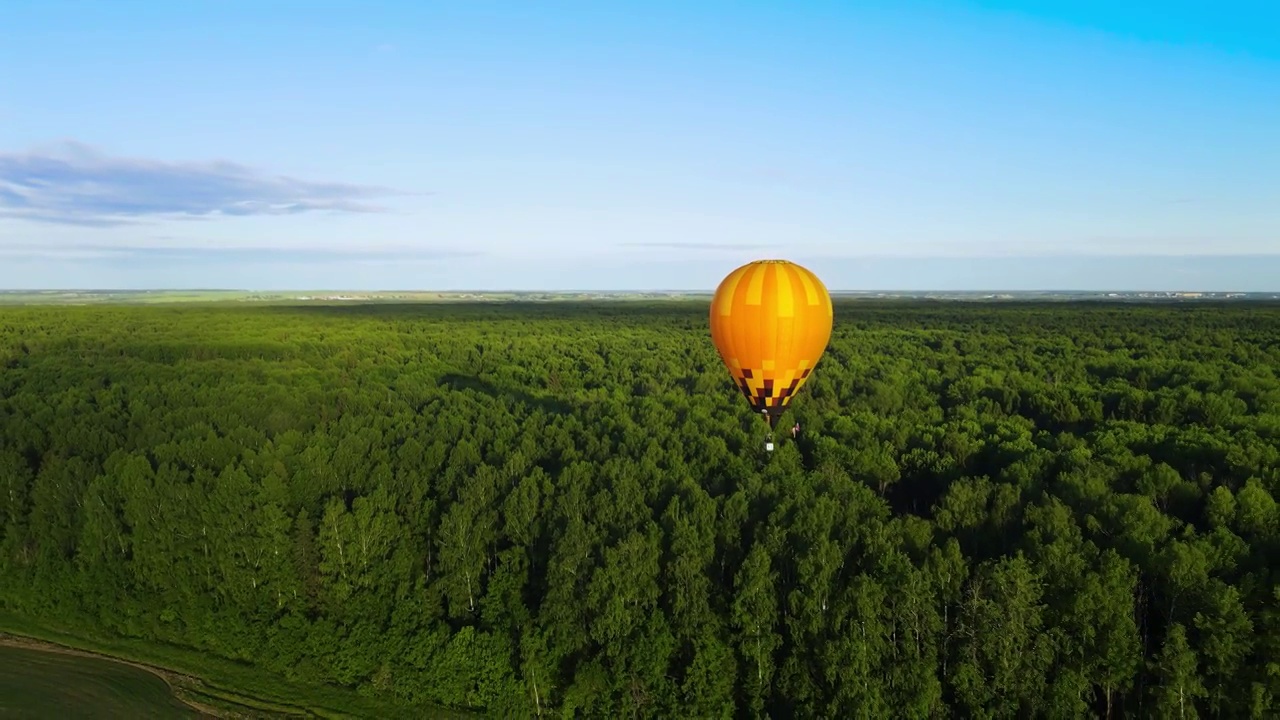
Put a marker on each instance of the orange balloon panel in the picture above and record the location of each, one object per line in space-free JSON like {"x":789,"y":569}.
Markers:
{"x":771,"y":321}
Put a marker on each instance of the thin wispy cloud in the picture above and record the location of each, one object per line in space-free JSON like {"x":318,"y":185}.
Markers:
{"x":694,"y":245}
{"x":75,"y":184}
{"x":215,"y":255}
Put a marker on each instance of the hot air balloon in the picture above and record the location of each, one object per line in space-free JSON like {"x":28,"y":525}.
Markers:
{"x":770,"y":321}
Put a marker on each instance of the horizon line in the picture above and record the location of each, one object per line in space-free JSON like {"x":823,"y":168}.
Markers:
{"x":710,"y":291}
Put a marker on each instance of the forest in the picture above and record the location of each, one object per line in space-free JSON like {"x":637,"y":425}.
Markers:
{"x":991,"y":510}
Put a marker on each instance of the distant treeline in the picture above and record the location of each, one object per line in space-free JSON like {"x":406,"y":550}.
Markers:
{"x":1014,"y":510}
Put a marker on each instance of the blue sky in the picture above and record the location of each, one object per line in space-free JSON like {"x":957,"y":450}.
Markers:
{"x":638,"y":145}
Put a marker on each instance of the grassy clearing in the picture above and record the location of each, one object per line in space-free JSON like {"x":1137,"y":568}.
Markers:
{"x":42,"y":684}
{"x":219,"y":687}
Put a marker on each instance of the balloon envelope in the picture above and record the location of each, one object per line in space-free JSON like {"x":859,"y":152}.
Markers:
{"x":770,"y":321}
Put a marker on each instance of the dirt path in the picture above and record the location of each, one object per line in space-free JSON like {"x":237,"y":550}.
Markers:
{"x":177,"y":682}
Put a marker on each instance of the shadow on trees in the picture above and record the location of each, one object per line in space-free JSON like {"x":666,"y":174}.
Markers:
{"x":551,"y":405}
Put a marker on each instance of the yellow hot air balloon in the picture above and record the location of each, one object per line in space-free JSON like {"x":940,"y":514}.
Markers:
{"x":771,"y":321}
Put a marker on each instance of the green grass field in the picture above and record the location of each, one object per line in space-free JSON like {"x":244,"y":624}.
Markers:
{"x":40,"y":684}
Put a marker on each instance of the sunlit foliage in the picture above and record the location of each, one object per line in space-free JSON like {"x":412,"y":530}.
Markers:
{"x":990,"y":510}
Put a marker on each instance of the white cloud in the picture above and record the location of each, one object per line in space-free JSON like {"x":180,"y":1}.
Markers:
{"x":75,"y":184}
